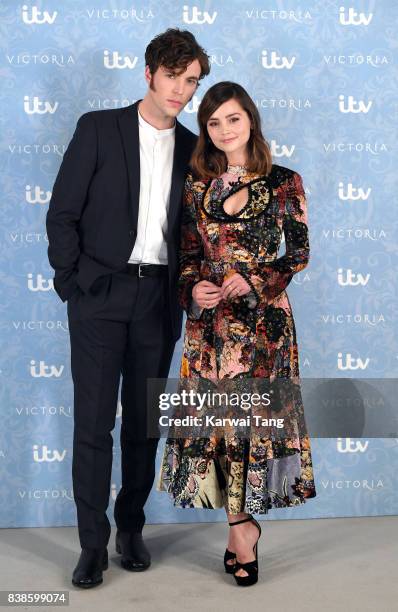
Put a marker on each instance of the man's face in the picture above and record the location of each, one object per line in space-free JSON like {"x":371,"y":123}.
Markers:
{"x":170,"y":91}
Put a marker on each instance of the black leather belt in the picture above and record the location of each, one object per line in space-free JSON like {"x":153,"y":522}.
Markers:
{"x":142,"y":270}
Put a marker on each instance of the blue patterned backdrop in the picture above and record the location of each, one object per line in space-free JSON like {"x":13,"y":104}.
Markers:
{"x":323,"y":74}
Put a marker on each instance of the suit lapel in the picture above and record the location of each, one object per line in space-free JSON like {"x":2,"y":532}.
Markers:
{"x":128,"y":127}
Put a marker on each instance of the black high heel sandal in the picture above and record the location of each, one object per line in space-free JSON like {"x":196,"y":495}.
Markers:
{"x":251,"y":567}
{"x":229,"y":567}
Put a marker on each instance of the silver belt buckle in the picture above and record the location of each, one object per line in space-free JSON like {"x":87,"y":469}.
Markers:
{"x":139,"y":270}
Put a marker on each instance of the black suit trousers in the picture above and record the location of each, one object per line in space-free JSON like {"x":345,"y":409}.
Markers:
{"x":120,"y":329}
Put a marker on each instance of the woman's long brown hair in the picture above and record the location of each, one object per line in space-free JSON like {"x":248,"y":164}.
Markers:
{"x":209,"y":162}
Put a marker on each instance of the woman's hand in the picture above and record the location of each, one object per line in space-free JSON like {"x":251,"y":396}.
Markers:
{"x":206,"y":294}
{"x":234,"y":286}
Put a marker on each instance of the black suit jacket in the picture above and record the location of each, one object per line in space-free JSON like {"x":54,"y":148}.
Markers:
{"x":93,"y":212}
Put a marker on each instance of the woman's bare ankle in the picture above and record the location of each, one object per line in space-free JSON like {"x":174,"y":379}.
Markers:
{"x":232,"y":518}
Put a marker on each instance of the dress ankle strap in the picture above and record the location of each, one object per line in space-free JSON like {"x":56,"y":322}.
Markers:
{"x":249,"y":518}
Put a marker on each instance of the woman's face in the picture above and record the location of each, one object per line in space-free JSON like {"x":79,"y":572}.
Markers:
{"x":229,"y":130}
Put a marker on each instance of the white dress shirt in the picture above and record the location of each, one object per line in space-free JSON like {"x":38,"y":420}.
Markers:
{"x":156,"y":165}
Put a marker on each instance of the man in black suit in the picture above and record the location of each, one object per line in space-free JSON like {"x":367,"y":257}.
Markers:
{"x":113,"y":226}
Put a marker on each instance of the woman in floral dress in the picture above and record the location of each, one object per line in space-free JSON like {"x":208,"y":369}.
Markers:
{"x":237,"y":204}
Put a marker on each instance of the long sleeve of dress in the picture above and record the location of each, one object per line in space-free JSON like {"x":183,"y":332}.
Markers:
{"x":191,"y":253}
{"x":268,"y":280}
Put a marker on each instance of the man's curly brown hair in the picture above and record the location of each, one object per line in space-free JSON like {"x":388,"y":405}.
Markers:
{"x":175,"y":49}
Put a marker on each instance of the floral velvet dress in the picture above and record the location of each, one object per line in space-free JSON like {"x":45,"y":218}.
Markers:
{"x":250,"y":336}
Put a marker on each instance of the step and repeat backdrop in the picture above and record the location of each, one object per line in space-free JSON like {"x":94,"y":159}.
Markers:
{"x":324,"y":77}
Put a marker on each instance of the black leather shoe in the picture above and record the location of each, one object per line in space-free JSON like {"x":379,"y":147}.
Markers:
{"x":135,"y":555}
{"x":88,"y":571}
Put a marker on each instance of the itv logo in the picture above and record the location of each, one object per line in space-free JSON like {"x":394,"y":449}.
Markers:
{"x":113,"y":60}
{"x":45,"y":455}
{"x":34,"y":16}
{"x":354,"y":17}
{"x":197,"y":16}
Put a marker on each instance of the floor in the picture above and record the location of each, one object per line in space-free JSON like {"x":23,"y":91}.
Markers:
{"x":347,"y":564}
